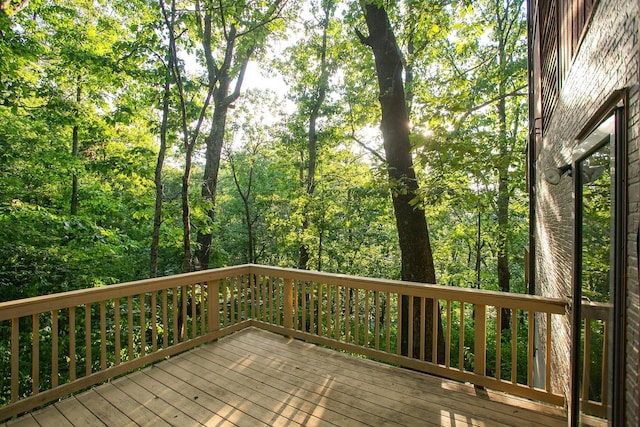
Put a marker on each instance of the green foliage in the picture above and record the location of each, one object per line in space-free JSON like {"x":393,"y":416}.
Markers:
{"x":98,"y":70}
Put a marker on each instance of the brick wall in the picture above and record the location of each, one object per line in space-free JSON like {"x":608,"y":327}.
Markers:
{"x":606,"y":61}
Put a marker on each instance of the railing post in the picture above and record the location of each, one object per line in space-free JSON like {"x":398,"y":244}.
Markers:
{"x":288,"y":303}
{"x":480,"y":340}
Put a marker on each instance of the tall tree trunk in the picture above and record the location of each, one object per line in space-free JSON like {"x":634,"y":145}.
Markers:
{"x":415,"y":247}
{"x":245,"y":196}
{"x":504,"y":276}
{"x":157,"y":213}
{"x":189,"y":143}
{"x":478,"y":251}
{"x":75,"y":150}
{"x":222,"y":101}
{"x":309,"y":184}
{"x":214,"y":143}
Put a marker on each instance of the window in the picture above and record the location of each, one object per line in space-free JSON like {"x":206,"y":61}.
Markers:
{"x":562,"y":26}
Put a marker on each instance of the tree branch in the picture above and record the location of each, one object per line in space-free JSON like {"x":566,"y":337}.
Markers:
{"x":363,"y":39}
{"x":515,"y":92}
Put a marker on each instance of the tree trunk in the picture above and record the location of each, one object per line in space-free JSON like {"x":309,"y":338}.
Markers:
{"x":504,"y":276}
{"x":415,"y":247}
{"x":157,"y":213}
{"x":245,"y":196}
{"x":75,"y":151}
{"x":214,"y":143}
{"x":323,"y":81}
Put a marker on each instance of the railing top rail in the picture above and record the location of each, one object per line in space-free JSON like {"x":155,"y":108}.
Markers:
{"x":43,"y":303}
{"x":477,"y":296}
{"x":39,"y":304}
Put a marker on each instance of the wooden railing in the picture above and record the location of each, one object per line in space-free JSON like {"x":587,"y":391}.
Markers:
{"x":595,"y":354}
{"x":57,"y":344}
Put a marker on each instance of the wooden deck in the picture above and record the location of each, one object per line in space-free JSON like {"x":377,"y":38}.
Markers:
{"x":254,"y":378}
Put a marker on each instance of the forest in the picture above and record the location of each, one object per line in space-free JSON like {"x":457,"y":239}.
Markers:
{"x":148,"y":138}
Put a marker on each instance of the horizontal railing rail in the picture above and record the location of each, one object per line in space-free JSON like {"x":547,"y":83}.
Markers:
{"x":55,"y":345}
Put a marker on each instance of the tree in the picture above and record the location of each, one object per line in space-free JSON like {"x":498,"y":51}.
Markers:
{"x":415,"y":247}
{"x":242,"y":29}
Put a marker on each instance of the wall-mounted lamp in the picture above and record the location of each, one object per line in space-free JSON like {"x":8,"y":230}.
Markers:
{"x":589,"y":173}
{"x":553,"y":175}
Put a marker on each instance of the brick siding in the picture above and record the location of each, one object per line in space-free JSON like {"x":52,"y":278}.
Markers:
{"x":607,"y":61}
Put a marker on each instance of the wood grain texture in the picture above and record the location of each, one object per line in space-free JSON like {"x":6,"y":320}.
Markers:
{"x":254,"y":378}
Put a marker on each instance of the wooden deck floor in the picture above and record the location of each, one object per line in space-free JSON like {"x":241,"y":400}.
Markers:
{"x":255,"y":378}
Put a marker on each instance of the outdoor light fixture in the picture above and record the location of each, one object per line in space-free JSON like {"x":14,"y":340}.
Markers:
{"x":553,"y":175}
{"x":589,"y":173}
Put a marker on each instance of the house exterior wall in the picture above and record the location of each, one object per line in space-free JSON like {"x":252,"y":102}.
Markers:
{"x":606,"y":60}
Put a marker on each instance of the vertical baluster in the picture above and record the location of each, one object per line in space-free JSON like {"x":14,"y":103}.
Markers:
{"x":54,"y":348}
{"x":312,"y":312}
{"x":87,"y":340}
{"x":498,"y":342}
{"x":530,"y":348}
{"x":347,"y":314}
{"x":116,"y":327}
{"x":130,"y":327}
{"x":329,"y":309}
{"x":103,"y":336}
{"x":586,"y":362}
{"x":321,"y":307}
{"x":547,"y":379}
{"x":514,"y":346}
{"x":213,"y":289}
{"x":296,"y":306}
{"x":447,"y":341}
{"x":154,"y":322}
{"x":423,"y":332}
{"x":254,"y":297}
{"x":194,"y":312}
{"x":376,"y":298}
{"x":604,"y":374}
{"x":202,"y":309}
{"x":233,"y":300}
{"x":387,"y":317}
{"x":356,"y":316}
{"x":461,"y":339}
{"x":72,"y":343}
{"x":143,"y":324}
{"x":399,"y":336}
{"x":15,"y":351}
{"x":366,"y":318}
{"x":338,"y":314}
{"x":184,"y":333}
{"x":434,"y":331}
{"x":303,"y":286}
{"x":480,"y":340}
{"x":271,"y":297}
{"x":224,"y":303}
{"x":165,"y":319}
{"x":263,"y":292}
{"x":174,"y":311}
{"x":279,"y":301}
{"x":288,"y":304}
{"x":35,"y":354}
{"x":410,"y":320}
{"x":245,"y":288}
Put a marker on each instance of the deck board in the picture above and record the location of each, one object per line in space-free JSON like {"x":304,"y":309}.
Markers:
{"x":256,"y":378}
